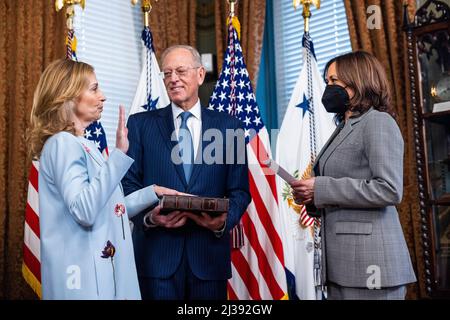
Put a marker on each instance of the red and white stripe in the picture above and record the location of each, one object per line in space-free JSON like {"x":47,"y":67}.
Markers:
{"x":305,"y":219}
{"x":258,"y":266}
{"x":31,"y":268}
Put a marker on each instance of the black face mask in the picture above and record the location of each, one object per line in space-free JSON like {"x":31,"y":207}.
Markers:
{"x":335,"y":99}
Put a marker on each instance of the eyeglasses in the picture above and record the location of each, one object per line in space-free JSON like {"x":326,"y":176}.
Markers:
{"x":180,"y":72}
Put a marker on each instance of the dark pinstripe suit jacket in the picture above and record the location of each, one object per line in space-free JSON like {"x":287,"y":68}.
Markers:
{"x":158,"y":251}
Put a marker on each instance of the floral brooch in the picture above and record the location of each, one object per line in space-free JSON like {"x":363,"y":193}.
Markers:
{"x":119,"y":210}
{"x":108,"y":252}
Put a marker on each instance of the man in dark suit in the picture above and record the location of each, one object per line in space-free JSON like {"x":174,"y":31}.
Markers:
{"x":182,"y":255}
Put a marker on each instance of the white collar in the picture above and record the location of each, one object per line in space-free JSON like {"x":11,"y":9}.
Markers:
{"x":196,"y":110}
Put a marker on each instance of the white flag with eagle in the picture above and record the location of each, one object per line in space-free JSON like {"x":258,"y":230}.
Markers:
{"x":305,"y":129}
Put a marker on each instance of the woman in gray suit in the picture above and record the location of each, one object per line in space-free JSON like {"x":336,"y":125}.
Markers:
{"x":358,"y":181}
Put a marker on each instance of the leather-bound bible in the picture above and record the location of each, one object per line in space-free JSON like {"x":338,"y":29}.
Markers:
{"x":212,"y":206}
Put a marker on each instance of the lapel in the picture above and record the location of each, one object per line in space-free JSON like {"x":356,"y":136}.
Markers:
{"x":167,"y":129}
{"x":335,"y":133}
{"x":93,"y":152}
{"x":336,"y":139}
{"x":207,"y":123}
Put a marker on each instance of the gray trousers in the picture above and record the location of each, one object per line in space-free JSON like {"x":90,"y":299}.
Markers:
{"x":337,"y":292}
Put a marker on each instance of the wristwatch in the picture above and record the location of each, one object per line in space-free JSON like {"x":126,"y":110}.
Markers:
{"x":219,"y":233}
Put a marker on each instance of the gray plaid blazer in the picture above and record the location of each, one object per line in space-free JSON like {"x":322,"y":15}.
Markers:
{"x":359,"y":180}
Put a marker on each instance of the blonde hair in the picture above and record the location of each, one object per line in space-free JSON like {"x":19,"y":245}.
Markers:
{"x":55,"y":96}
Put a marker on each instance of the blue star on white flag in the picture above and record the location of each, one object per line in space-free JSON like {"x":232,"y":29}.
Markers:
{"x":151,"y":93}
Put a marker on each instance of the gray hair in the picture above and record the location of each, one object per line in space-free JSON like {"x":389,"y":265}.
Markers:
{"x":195,"y":55}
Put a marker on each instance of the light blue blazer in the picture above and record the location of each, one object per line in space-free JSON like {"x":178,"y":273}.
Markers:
{"x":80,"y":197}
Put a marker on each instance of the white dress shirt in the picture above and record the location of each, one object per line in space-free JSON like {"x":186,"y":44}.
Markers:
{"x":194,"y":123}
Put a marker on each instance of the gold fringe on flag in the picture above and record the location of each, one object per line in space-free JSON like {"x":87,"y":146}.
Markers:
{"x":32,"y":281}
{"x":236,"y":25}
{"x":73,"y":44}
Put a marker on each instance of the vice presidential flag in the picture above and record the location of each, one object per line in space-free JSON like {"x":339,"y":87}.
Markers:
{"x":305,"y":129}
{"x":150,"y":93}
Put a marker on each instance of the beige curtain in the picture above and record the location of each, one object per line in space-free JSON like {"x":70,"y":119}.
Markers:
{"x":173,"y":22}
{"x":31,"y":36}
{"x":251,"y":14}
{"x":388,"y":44}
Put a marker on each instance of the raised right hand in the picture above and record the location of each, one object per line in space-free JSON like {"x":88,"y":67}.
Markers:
{"x":122,"y":132}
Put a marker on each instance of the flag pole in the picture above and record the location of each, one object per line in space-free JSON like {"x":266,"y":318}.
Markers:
{"x":146,"y":8}
{"x":233,"y":18}
{"x":317,"y":260}
{"x":306,"y":10}
{"x":70,"y":14}
{"x":232,"y":6}
{"x":70,"y":10}
{"x":237,"y":233}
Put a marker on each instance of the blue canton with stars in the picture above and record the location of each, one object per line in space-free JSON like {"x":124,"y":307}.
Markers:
{"x":233,"y":92}
{"x":96,"y":133}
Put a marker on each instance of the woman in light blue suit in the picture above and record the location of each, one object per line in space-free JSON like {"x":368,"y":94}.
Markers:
{"x":86,"y":246}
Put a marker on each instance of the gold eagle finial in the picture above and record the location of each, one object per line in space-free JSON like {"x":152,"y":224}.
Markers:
{"x":59,"y":4}
{"x":146,"y":7}
{"x":306,"y":10}
{"x":70,"y":9}
{"x":297,"y":3}
{"x":232,"y":6}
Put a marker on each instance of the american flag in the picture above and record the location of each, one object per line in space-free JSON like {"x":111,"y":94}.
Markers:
{"x":31,"y":266}
{"x":96,"y":133}
{"x":258,"y":265}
